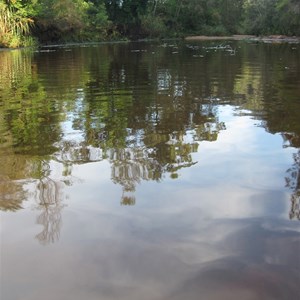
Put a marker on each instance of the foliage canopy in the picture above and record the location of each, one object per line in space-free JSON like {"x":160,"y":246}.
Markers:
{"x":49,"y":21}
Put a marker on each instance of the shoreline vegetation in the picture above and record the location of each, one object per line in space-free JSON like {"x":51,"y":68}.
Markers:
{"x":26,"y":23}
{"x":276,"y":39}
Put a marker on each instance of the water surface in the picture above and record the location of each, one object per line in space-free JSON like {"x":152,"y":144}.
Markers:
{"x":150,"y":171}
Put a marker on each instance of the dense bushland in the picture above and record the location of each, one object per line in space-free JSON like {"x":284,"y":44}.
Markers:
{"x":24,"y":22}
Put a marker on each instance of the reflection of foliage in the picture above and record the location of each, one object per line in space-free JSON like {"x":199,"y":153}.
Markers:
{"x":50,"y":218}
{"x":272,"y":93}
{"x":295,"y":205}
{"x":14,"y":168}
{"x":29,"y":124}
{"x":71,"y":152}
{"x":293,"y":182}
{"x":11,"y":195}
{"x":49,"y":196}
{"x":28,"y":115}
{"x":132,"y":164}
{"x":127,"y":198}
{"x":272,"y":96}
{"x":291,"y":139}
{"x":29,"y":119}
{"x":15,"y":65}
{"x":142,"y":139}
{"x":143,"y":112}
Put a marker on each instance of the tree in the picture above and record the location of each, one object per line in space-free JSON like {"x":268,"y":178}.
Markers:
{"x":231,"y":13}
{"x":15,"y":23}
{"x":97,"y":22}
{"x":288,"y":17}
{"x":60,"y":19}
{"x":127,"y":15}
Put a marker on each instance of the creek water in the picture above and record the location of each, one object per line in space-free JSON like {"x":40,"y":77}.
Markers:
{"x":158,"y":170}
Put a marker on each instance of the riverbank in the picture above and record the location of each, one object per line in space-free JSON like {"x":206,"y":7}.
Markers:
{"x":266,"y":39}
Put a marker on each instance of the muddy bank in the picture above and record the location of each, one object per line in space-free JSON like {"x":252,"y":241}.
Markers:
{"x":266,"y":39}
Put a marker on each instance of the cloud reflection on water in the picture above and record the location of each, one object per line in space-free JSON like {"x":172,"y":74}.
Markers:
{"x":162,"y":255}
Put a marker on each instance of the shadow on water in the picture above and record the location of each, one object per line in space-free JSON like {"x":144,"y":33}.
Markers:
{"x":144,"y":108}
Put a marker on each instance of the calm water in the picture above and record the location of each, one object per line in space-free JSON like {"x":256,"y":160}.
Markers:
{"x":150,"y":171}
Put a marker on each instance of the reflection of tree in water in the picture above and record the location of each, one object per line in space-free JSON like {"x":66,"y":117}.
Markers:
{"x":293,"y":182}
{"x":149,"y":156}
{"x":47,"y":193}
{"x":49,"y":202}
{"x":13,"y":170}
{"x":12,"y":195}
{"x":131,"y":165}
{"x":141,"y":144}
{"x":128,"y":168}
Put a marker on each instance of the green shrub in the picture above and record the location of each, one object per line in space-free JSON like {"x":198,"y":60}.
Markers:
{"x":153,"y":26}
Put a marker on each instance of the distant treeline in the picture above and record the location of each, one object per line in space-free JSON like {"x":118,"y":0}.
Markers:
{"x":25,"y":22}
